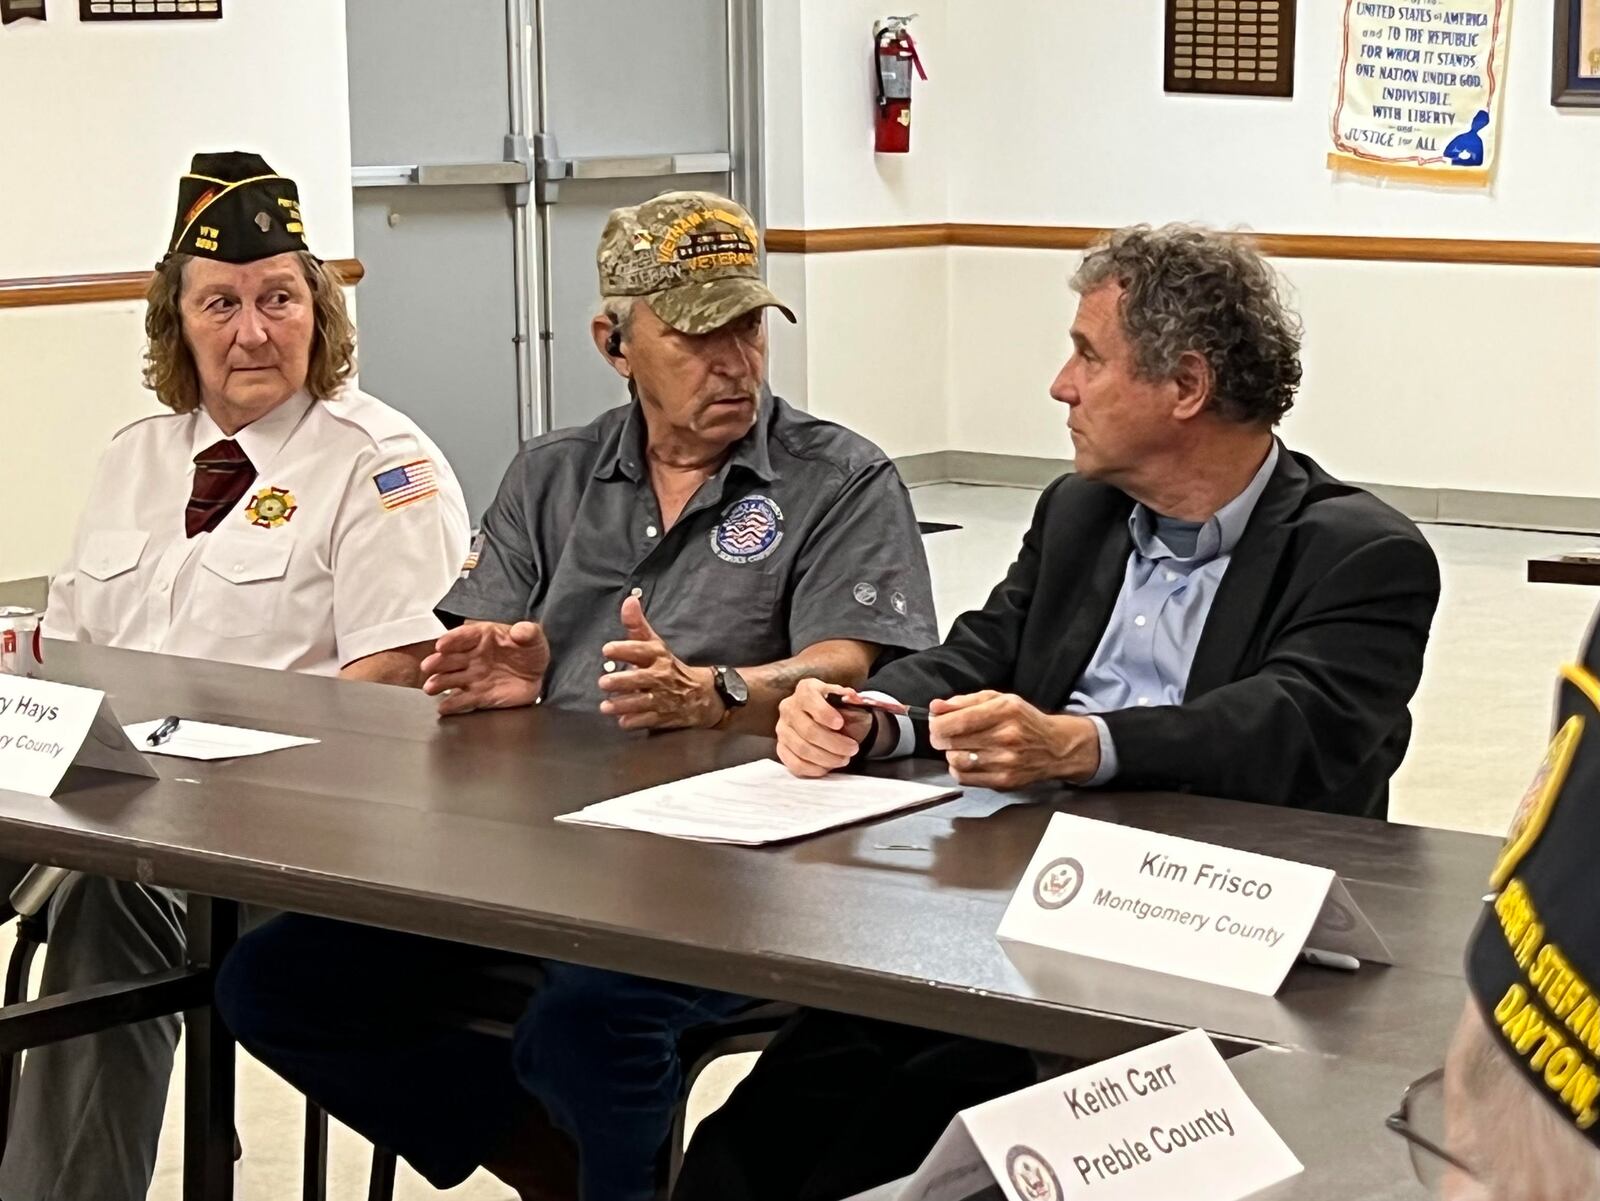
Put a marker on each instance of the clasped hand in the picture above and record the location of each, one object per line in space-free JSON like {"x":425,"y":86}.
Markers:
{"x":998,"y":740}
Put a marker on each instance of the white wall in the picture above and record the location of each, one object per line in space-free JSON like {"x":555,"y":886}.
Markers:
{"x":822,"y":173}
{"x":102,"y":119}
{"x":1472,"y":377}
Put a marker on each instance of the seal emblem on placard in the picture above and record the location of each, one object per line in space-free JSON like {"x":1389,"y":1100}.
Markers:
{"x":1336,"y":918}
{"x":1058,"y":883}
{"x":749,"y":531}
{"x":1032,"y":1176}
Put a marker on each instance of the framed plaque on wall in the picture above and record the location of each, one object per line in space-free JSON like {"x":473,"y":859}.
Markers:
{"x":148,"y":10}
{"x":1576,"y":79}
{"x":16,"y":10}
{"x":1230,"y":47}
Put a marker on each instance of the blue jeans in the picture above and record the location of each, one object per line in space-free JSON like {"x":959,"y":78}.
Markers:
{"x":356,"y":1018}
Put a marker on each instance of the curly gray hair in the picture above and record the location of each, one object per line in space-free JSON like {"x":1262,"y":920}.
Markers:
{"x":1191,"y":289}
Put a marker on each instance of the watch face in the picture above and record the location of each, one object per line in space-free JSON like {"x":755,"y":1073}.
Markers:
{"x":733,"y":688}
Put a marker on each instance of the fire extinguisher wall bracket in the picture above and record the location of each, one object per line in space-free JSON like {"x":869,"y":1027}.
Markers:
{"x":894,"y":57}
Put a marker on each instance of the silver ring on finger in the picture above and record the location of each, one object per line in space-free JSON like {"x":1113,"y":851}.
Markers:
{"x":972,"y":758}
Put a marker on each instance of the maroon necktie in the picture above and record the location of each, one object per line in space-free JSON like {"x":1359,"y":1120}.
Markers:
{"x":222,"y":474}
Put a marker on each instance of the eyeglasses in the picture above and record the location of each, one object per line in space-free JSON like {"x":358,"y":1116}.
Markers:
{"x":1420,"y":1121}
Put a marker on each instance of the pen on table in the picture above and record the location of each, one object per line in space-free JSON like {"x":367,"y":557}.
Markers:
{"x":167,"y":728}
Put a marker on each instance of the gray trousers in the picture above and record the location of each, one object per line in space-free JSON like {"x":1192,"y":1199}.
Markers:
{"x":88,"y":1116}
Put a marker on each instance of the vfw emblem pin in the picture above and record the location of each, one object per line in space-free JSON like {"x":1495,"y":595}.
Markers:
{"x":270,"y":508}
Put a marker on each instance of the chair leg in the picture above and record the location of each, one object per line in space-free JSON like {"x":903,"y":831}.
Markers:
{"x":381,"y":1185}
{"x":314,"y":1181}
{"x":18,"y":971}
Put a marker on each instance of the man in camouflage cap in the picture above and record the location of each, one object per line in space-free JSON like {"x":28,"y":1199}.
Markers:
{"x":695,"y":256}
{"x":767,"y":547}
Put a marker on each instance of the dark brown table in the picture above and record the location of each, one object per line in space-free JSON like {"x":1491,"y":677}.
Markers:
{"x":1553,"y":569}
{"x":444,"y":828}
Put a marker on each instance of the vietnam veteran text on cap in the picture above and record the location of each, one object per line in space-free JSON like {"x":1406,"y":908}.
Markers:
{"x":694,"y":257}
{"x":235,"y":208}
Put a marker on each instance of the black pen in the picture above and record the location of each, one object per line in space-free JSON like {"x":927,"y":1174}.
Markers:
{"x":164,"y":731}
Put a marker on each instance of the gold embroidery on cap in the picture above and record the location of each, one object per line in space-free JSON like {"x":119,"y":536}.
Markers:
{"x":1534,"y":809}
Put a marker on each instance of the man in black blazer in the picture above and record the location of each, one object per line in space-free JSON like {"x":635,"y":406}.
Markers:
{"x":1196,"y":608}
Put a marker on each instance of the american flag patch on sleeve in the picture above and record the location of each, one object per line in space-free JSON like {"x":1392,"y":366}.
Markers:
{"x":473,"y":554}
{"x":407,"y":484}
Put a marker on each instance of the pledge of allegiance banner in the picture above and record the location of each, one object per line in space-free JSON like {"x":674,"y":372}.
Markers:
{"x":1419,"y":89}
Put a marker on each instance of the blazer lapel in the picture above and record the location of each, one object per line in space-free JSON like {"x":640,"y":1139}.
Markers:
{"x":1236,"y":611}
{"x":1091,"y":614}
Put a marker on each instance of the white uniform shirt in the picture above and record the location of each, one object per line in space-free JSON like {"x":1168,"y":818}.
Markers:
{"x":353,"y":529}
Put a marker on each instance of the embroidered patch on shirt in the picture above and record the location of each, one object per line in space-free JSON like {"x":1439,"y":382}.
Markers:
{"x":405,"y":485}
{"x":270,"y":508}
{"x":750,"y":531}
{"x":472,"y":555}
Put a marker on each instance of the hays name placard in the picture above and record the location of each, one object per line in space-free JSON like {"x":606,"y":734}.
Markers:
{"x":1171,"y":905}
{"x":45,"y":728}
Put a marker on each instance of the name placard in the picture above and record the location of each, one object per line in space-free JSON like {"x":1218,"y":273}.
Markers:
{"x":1165,"y":1121}
{"x":45,"y":728}
{"x":1169,"y":904}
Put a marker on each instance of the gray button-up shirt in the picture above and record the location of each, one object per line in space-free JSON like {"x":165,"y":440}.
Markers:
{"x":806,"y":534}
{"x":1148,"y":647}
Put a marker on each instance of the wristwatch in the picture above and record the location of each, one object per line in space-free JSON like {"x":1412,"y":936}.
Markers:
{"x":730,"y":686}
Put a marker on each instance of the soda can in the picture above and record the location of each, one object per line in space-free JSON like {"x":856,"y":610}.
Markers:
{"x":21,"y":642}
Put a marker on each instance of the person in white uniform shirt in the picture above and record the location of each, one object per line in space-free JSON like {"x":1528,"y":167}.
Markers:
{"x":277,"y":517}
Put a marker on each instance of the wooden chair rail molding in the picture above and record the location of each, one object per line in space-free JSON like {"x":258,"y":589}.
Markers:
{"x":1291,"y":246}
{"x":119,"y":285}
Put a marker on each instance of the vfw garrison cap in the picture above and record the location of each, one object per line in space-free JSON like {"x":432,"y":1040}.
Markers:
{"x":1534,"y":960}
{"x":695,"y":259}
{"x":234,"y":208}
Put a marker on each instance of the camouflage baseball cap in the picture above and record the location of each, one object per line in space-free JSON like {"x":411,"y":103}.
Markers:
{"x":694,"y":257}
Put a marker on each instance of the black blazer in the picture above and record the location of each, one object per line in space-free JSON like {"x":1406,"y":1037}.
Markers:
{"x":1312,"y":648}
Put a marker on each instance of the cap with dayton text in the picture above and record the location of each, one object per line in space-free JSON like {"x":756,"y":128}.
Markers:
{"x":1534,"y":959}
{"x":235,"y":208}
{"x":695,"y":259}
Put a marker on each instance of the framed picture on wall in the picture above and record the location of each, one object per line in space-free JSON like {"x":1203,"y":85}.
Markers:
{"x":1576,"y":79}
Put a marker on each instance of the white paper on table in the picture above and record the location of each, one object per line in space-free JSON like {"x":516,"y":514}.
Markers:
{"x":755,"y":803}
{"x":206,"y":740}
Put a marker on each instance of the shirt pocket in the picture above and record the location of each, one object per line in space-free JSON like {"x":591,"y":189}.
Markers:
{"x":108,"y":586}
{"x":731,"y":613}
{"x":239,"y":588}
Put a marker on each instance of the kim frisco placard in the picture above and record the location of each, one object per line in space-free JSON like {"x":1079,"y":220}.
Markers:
{"x":1168,"y":904}
{"x":1163,"y":1122}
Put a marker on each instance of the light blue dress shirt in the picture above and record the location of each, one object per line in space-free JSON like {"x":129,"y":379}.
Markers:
{"x":1172,"y":577}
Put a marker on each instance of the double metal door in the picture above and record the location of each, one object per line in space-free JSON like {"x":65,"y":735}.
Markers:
{"x":490,"y":139}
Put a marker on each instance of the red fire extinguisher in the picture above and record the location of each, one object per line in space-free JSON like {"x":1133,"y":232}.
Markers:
{"x":894,"y":54}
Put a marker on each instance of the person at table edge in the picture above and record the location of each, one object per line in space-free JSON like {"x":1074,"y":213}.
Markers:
{"x":766,"y":546}
{"x":1514,"y":1114}
{"x":1195,"y":608}
{"x":277,"y":517}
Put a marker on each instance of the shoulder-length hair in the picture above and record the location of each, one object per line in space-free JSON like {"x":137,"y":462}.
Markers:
{"x":169,"y":369}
